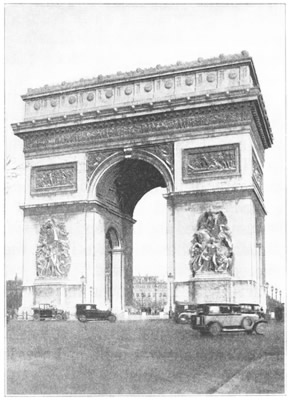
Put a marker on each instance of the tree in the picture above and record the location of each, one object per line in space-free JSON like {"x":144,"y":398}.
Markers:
{"x":13,"y":294}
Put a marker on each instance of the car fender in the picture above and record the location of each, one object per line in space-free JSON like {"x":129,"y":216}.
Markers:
{"x":260,"y":321}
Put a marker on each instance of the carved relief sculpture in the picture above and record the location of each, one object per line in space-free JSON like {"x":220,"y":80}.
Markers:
{"x":132,"y":127}
{"x":53,"y":178}
{"x":212,"y":248}
{"x":94,"y":159}
{"x":165,"y":151}
{"x":52,"y":253}
{"x":257,"y":173}
{"x":210,"y":161}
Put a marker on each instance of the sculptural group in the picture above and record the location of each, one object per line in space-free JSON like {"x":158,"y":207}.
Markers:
{"x":212,"y":248}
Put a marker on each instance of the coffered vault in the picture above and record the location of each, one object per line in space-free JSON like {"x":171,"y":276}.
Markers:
{"x":94,"y":147}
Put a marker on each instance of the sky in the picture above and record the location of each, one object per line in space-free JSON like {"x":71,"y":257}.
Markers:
{"x":49,"y":44}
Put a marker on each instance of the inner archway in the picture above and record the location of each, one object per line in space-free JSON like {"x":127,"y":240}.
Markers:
{"x":121,"y":187}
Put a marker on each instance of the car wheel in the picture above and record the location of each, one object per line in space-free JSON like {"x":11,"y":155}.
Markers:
{"x":36,"y":317}
{"x":215,"y":329}
{"x":82,"y":318}
{"x":247,"y":323}
{"x":261,"y":328}
{"x":112,"y":318}
{"x":58,"y":317}
{"x":183,"y":319}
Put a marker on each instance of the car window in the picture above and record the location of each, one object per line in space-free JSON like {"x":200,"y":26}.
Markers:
{"x":246,"y":308}
{"x":236,"y":309}
{"x":214,"y":309}
{"x":225,"y":309}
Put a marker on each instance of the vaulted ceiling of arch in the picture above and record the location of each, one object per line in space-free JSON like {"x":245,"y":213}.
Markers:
{"x":124,"y":184}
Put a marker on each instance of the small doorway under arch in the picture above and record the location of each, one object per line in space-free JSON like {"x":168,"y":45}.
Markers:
{"x":114,"y":297}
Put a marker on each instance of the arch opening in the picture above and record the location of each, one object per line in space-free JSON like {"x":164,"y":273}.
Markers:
{"x":126,"y":182}
{"x":120,"y":186}
{"x":150,"y":292}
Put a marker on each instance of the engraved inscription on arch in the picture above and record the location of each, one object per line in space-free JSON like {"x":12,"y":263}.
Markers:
{"x":210,"y":162}
{"x":53,"y":178}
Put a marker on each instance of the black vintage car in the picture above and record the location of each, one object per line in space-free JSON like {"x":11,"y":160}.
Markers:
{"x":215,"y":318}
{"x":90,"y":312}
{"x":183,"y":312}
{"x":47,"y":311}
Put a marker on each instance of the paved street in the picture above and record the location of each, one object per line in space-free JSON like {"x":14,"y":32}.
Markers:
{"x":140,"y":357}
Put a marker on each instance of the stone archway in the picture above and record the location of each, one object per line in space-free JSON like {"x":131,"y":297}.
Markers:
{"x":94,"y":148}
{"x":118,"y":185}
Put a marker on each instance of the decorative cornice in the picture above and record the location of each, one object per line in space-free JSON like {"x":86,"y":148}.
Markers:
{"x":230,"y":193}
{"x":235,"y":94}
{"x":138,"y":73}
{"x":71,"y":206}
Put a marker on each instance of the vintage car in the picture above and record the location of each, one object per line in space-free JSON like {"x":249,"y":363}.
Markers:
{"x":47,"y":311}
{"x":90,"y":312}
{"x":183,"y":312}
{"x":215,"y":318}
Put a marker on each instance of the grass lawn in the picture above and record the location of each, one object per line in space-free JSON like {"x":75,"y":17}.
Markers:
{"x":135,"y":357}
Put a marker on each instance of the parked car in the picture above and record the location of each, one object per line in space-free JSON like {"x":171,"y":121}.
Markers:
{"x":90,"y":312}
{"x":252,"y":308}
{"x":47,"y":311}
{"x":215,"y":318}
{"x":183,"y":312}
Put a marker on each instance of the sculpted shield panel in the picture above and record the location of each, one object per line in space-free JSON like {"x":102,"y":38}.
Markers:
{"x":212,"y":248}
{"x":52,"y":253}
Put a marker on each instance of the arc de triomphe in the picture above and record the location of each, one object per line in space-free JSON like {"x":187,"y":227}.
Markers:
{"x":94,"y":147}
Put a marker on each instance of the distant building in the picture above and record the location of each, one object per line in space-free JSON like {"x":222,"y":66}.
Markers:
{"x":149,"y":291}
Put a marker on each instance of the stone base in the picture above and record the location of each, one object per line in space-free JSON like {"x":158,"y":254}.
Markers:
{"x":62,"y":295}
{"x":210,"y":288}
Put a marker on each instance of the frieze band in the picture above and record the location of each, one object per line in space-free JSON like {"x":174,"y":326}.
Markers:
{"x":213,"y":161}
{"x":136,"y":127}
{"x":54,"y":178}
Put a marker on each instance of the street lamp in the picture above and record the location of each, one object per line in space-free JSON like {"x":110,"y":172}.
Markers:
{"x":170,"y":277}
{"x":83,"y":279}
{"x":91,"y":294}
{"x":280,"y":295}
{"x":272,"y":289}
{"x":267,"y":287}
{"x":155,"y":294}
{"x":276,"y":292}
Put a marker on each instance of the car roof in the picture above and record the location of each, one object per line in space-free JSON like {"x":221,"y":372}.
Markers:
{"x":218,"y":304}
